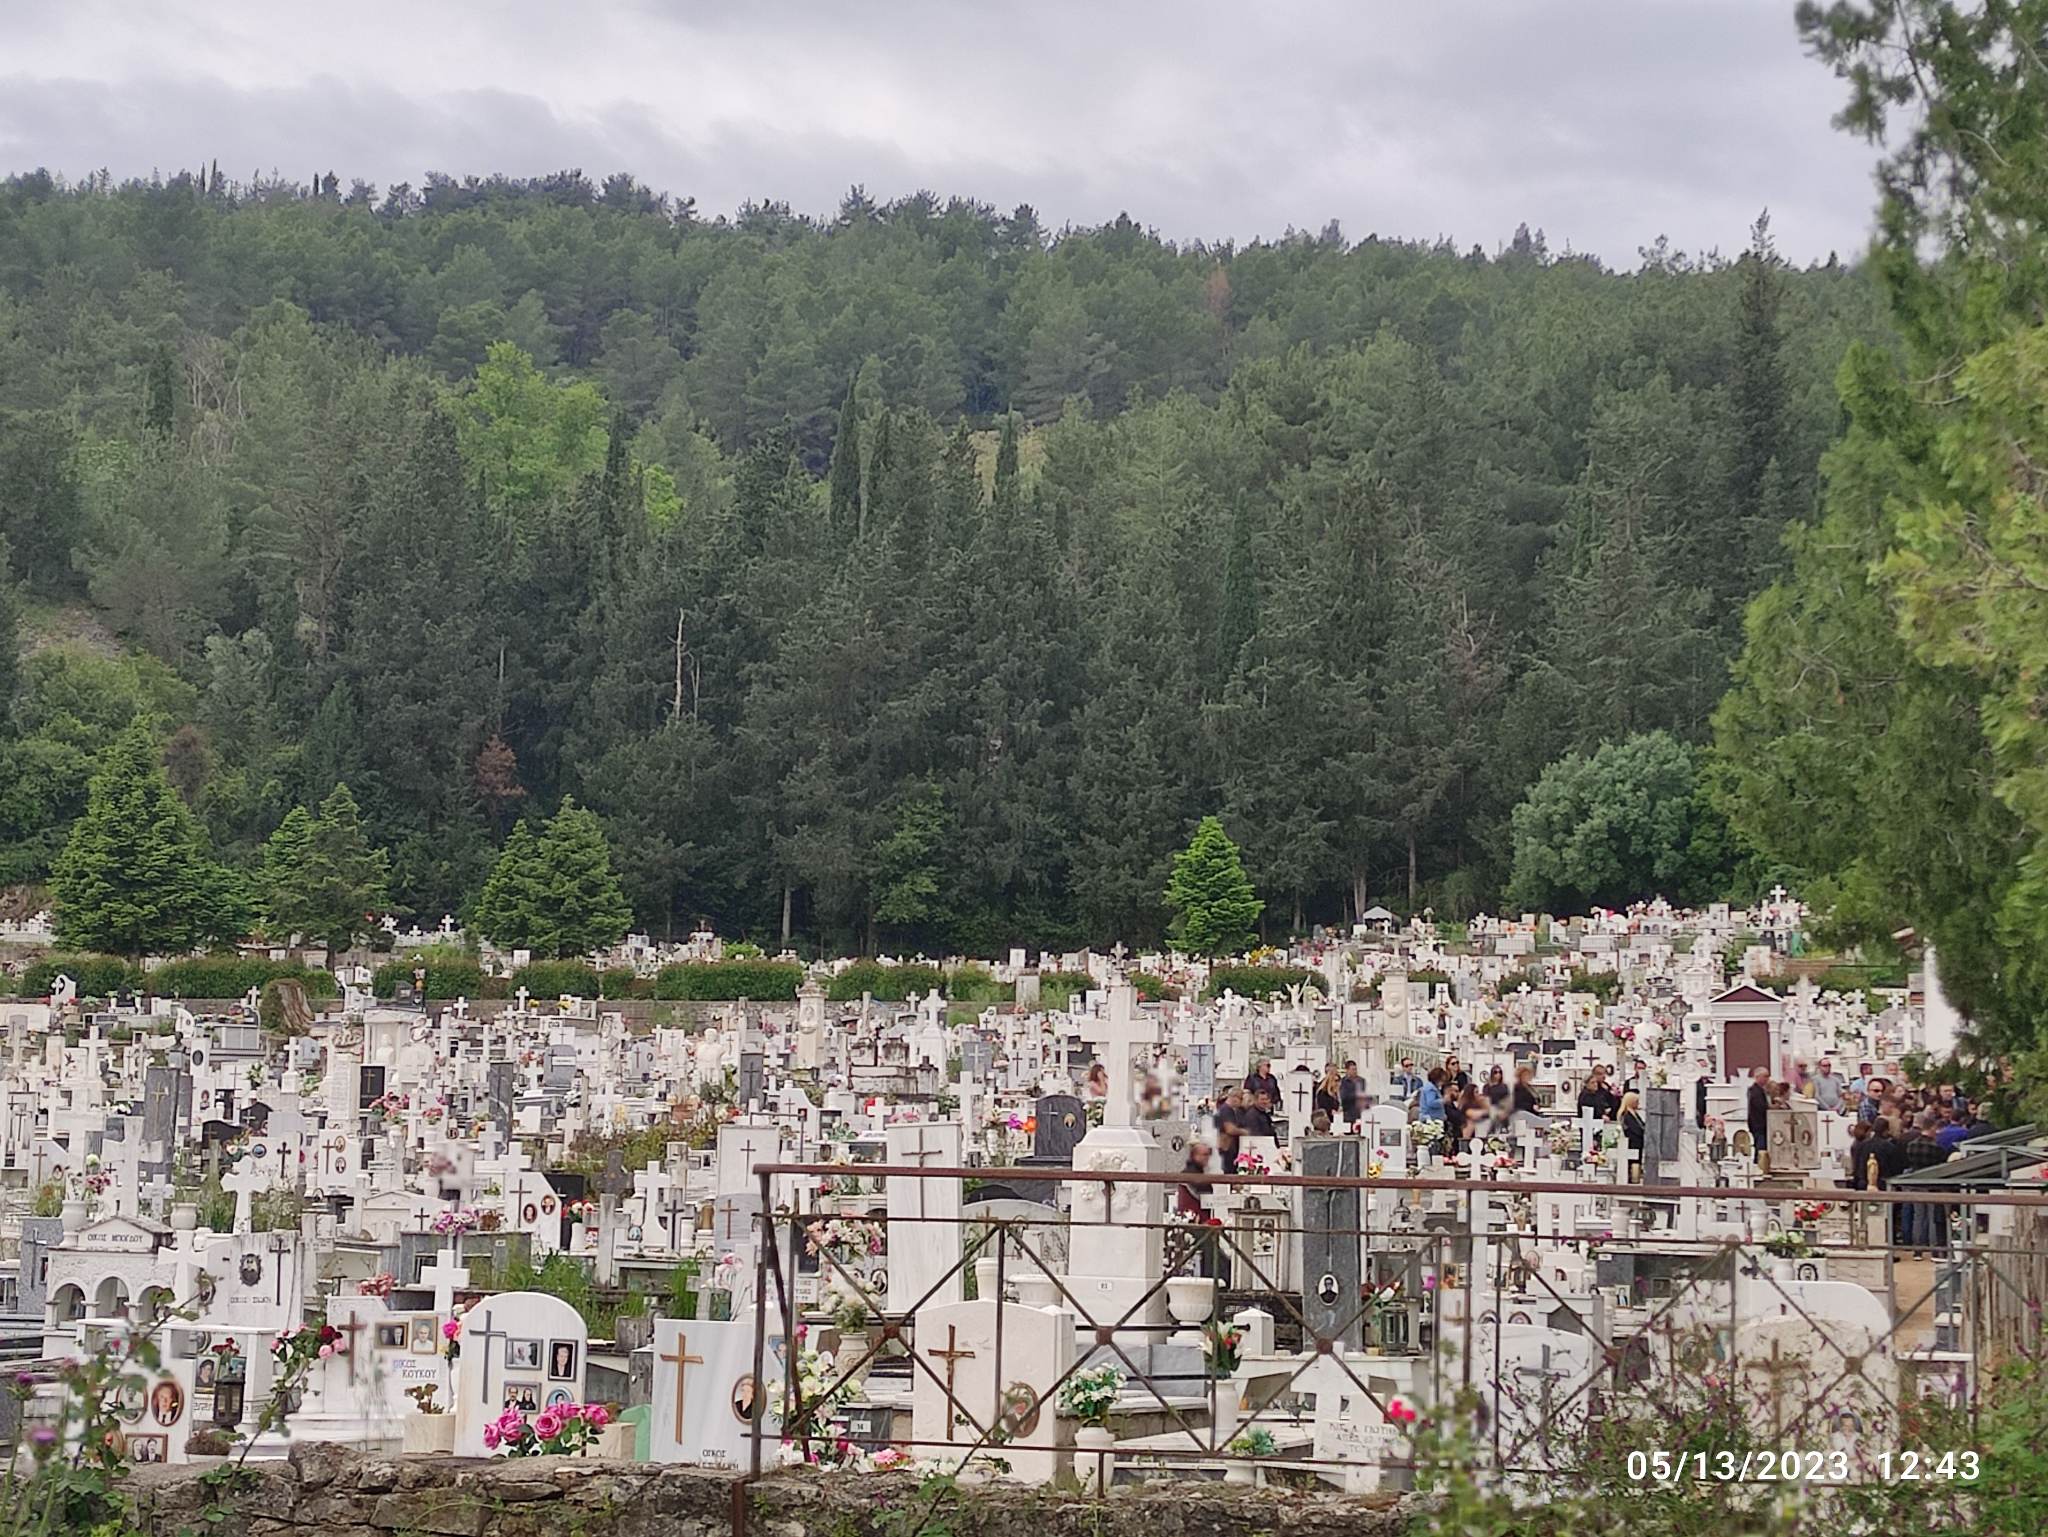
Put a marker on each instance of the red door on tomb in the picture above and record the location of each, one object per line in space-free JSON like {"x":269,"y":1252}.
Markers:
{"x":1746,"y":1045}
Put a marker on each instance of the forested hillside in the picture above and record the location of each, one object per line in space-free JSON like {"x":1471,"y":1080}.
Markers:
{"x":917,"y":577}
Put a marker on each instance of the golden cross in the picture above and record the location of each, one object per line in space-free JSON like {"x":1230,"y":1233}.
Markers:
{"x":952,"y":1355}
{"x":682,"y":1363}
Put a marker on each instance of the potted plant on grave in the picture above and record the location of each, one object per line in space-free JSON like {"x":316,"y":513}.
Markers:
{"x":427,"y":1428}
{"x":210,"y":1444}
{"x":1088,"y":1396}
{"x":850,"y":1318}
{"x":1246,"y":1449}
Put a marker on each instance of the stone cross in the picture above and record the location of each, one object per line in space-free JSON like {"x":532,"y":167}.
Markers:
{"x":445,"y":1275}
{"x":245,"y":1180}
{"x":352,"y":1328}
{"x":1116,"y":1035}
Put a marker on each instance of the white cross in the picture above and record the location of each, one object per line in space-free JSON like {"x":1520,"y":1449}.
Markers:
{"x":245,"y":1180}
{"x":1117,"y":1034}
{"x":445,"y":1275}
{"x":918,"y":1155}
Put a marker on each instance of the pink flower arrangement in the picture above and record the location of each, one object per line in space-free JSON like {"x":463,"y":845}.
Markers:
{"x":378,"y":1285}
{"x":559,"y":1430}
{"x":1399,"y":1412}
{"x":457,"y":1220}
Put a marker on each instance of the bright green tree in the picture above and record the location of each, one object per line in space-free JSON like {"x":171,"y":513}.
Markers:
{"x":555,"y":893}
{"x":586,"y":909}
{"x":1615,"y":826}
{"x":1211,"y":898}
{"x":507,"y":910}
{"x":320,"y":874}
{"x":136,"y":876}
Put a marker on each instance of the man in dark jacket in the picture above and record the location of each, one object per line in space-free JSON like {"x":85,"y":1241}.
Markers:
{"x":1261,"y":1081}
{"x":1923,"y":1152}
{"x":1760,"y":1108}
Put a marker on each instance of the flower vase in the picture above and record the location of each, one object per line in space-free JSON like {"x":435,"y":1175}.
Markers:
{"x":428,"y":1433}
{"x":985,"y":1279}
{"x":1191,"y":1299}
{"x":1093,"y":1464}
{"x":852,"y":1359}
{"x":1241,"y":1471}
{"x":1226,"y":1411}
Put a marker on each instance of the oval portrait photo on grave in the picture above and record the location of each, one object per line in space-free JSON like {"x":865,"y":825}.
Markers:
{"x":743,"y":1400}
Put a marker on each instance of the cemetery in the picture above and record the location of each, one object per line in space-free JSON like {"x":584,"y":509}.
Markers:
{"x":1083,"y":1247}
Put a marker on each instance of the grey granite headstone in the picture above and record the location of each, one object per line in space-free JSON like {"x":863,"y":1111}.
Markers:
{"x":39,"y":1235}
{"x":752,"y":1083}
{"x":502,"y":1081}
{"x":1662,"y":1115}
{"x":1201,"y":1072}
{"x":1330,"y":1247}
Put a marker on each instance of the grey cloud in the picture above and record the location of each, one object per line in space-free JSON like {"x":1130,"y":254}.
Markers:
{"x":1605,"y":122}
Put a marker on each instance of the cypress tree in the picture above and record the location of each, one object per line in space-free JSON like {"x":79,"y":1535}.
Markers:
{"x":1213,"y":904}
{"x":584,"y":907}
{"x":136,"y":876}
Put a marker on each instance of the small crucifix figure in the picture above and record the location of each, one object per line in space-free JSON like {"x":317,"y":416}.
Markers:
{"x":682,"y":1363}
{"x":952,"y":1355}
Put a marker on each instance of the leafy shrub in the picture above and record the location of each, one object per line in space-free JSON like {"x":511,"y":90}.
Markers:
{"x":452,"y":973}
{"x":887,"y":984}
{"x":1604,"y":985}
{"x":1153,"y":989}
{"x":97,"y":976}
{"x":723,"y":981}
{"x":977,"y":984}
{"x":232,"y":976}
{"x":1854,"y":979}
{"x":556,"y":979}
{"x":624,"y":982}
{"x":1056,"y":989}
{"x":1259,"y":981}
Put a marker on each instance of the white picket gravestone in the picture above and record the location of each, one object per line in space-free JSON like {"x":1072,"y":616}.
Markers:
{"x":516,"y":1347}
{"x":705,"y":1391}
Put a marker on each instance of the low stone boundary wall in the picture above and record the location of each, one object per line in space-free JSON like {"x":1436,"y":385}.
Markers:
{"x":324,"y":1490}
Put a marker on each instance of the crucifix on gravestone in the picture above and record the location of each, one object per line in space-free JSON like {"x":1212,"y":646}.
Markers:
{"x":1547,"y":1375}
{"x":952,"y":1355}
{"x":682,"y":1361}
{"x":1304,"y":1091}
{"x":486,"y":1334}
{"x":280,"y":1246}
{"x":352,"y":1328}
{"x":918,"y":1155}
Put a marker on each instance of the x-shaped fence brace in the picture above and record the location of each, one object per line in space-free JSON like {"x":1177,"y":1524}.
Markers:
{"x":1614,"y":1354}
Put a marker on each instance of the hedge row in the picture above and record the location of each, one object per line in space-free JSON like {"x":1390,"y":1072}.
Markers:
{"x":557,"y":979}
{"x":447,"y":977}
{"x":231,"y":976}
{"x":724,"y":981}
{"x":1260,"y":981}
{"x":210,"y":976}
{"x":886,"y":984}
{"x":97,"y":976}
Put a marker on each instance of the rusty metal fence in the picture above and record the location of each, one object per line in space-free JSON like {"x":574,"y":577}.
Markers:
{"x":1655,"y":1339}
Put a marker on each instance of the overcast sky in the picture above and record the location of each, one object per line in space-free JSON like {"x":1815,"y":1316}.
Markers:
{"x":1604,"y":122}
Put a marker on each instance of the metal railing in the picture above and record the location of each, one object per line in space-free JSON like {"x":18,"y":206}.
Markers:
{"x":1673,"y":1327}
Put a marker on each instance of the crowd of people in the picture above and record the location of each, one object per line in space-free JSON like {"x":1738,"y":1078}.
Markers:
{"x":1898,"y":1128}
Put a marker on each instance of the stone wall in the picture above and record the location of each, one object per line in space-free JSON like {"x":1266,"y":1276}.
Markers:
{"x":323,"y":1490}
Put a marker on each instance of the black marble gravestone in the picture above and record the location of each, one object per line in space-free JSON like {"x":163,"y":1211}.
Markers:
{"x":1330,"y":1276}
{"x":1062,"y":1123}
